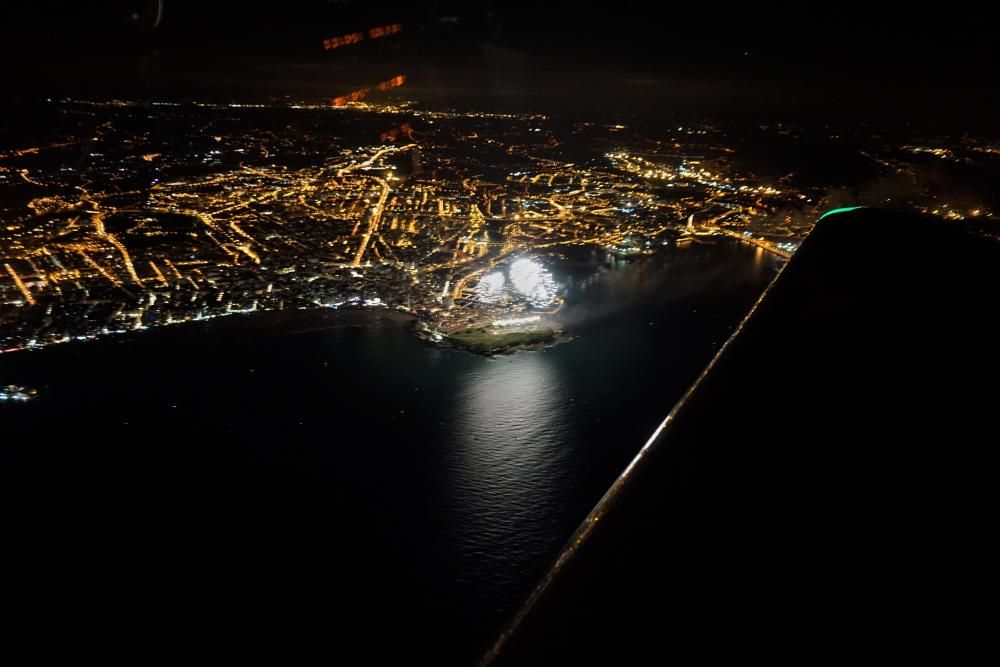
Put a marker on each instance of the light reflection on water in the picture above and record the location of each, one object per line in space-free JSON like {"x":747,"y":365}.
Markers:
{"x":506,"y":464}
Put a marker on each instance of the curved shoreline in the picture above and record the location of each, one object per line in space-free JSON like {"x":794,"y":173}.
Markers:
{"x":556,"y":337}
{"x":243,"y":323}
{"x":297,"y":321}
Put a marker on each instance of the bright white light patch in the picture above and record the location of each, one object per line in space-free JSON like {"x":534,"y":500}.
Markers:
{"x":525,"y":279}
{"x":493,"y":282}
{"x":531,"y":280}
{"x":516,"y":321}
{"x":491,"y":286}
{"x":526,"y":275}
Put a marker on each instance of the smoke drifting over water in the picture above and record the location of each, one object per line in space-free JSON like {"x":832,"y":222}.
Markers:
{"x":670,"y":276}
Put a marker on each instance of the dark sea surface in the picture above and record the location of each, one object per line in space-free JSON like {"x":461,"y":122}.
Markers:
{"x":233,"y":469}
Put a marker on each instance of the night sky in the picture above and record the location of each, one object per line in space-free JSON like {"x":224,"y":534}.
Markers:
{"x":778,"y":39}
{"x":848,"y":58}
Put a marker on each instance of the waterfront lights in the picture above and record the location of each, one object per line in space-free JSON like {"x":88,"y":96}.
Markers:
{"x":516,"y":321}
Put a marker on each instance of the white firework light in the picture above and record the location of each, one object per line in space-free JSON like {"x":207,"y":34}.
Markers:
{"x":525,"y":278}
{"x":491,"y":286}
{"x":528,"y":279}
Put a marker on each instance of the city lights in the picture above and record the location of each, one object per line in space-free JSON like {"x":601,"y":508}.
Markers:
{"x":427,"y":220}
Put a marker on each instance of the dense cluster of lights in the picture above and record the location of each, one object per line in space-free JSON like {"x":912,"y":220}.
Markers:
{"x":449,"y":240}
{"x":648,"y":170}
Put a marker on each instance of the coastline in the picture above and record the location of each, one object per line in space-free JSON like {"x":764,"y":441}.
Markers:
{"x":551,"y":338}
{"x":244,"y":323}
{"x":302,"y":320}
{"x":296,"y":321}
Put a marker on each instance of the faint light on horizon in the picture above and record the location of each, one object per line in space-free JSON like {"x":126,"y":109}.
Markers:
{"x":362,"y":93}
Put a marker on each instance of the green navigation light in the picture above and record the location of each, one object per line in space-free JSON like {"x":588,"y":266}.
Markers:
{"x":840,"y":210}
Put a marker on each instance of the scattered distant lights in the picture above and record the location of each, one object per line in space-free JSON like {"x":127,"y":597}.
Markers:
{"x":525,"y":278}
{"x":373,"y":302}
{"x":17,"y":394}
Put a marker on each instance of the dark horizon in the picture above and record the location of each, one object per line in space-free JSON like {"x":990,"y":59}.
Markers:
{"x":842,"y":42}
{"x":854,"y":62}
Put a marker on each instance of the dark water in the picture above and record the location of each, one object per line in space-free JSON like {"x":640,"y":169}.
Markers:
{"x":417,"y":490}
